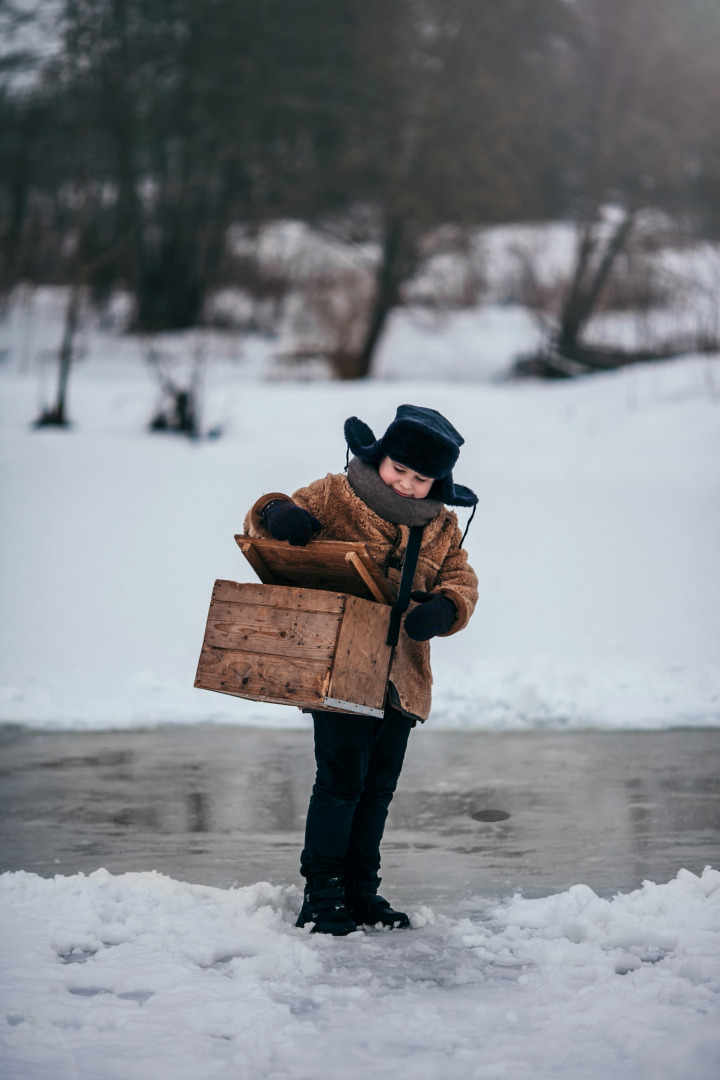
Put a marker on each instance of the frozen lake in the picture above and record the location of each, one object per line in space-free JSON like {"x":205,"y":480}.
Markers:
{"x":225,"y":806}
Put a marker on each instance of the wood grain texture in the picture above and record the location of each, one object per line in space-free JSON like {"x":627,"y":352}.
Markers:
{"x":320,"y":565}
{"x":362,"y":659}
{"x":258,"y":564}
{"x":365,"y":576}
{"x":294,"y":646}
{"x":274,"y":631}
{"x":279,"y":596}
{"x":262,"y":678}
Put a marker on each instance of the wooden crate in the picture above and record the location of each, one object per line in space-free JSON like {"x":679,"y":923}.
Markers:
{"x":313,"y":647}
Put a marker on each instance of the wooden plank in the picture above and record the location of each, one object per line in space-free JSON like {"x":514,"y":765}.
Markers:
{"x":362,"y":659}
{"x":323,"y":580}
{"x":365,"y":576}
{"x":274,"y":631}
{"x":262,"y":678}
{"x":221,"y":685}
{"x":381,"y":582}
{"x":278,"y":596}
{"x":258,"y":563}
{"x":320,"y":565}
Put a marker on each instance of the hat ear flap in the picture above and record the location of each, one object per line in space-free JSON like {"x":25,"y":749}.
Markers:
{"x":464,"y":496}
{"x":361,"y":440}
{"x":452,"y":494}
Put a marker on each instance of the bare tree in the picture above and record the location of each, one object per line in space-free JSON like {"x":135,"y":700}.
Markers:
{"x":445,"y":131}
{"x":631,"y":137}
{"x":179,"y":411}
{"x":56,"y":415}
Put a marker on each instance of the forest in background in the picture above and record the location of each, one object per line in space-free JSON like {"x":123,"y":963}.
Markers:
{"x":146,"y":145}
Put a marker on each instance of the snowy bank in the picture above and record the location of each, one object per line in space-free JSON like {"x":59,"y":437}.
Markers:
{"x":107,"y":978}
{"x":595,"y":541}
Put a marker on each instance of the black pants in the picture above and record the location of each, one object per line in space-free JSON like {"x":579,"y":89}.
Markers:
{"x":359,"y":759}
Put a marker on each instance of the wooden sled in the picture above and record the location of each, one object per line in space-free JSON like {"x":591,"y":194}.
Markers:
{"x":313,"y":634}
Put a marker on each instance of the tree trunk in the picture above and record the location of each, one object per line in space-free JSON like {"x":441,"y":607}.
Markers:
{"x":396,"y":259}
{"x":588,"y":283}
{"x":56,"y":416}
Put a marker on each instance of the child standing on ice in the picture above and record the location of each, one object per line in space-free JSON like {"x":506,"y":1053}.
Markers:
{"x":394,"y":498}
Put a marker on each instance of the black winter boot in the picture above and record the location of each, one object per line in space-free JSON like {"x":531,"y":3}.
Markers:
{"x":364,"y":905}
{"x":324,"y":905}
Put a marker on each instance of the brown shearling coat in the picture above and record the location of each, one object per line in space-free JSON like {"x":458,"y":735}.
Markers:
{"x":442,"y":567}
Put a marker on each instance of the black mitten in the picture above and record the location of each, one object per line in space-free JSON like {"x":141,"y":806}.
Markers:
{"x":286,"y":521}
{"x":434,"y":615}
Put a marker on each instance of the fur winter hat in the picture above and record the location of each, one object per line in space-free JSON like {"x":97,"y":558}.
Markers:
{"x":422,"y":440}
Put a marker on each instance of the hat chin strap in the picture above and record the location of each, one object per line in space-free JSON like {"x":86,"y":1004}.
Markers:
{"x":467,"y":527}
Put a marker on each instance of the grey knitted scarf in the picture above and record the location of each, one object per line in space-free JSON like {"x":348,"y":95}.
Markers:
{"x":366,"y":483}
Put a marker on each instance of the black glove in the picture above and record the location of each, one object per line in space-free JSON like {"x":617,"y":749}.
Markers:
{"x":286,"y":521}
{"x":434,"y":615}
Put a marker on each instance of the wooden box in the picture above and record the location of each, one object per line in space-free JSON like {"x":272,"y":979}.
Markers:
{"x":312,"y":635}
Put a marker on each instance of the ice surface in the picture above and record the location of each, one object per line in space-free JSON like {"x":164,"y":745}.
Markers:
{"x":225,"y":805}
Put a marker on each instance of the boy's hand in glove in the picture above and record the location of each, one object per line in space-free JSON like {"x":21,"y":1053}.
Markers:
{"x":286,"y":521}
{"x":434,"y":615}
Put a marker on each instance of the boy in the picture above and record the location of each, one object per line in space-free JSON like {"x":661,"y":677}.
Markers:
{"x":393,"y":498}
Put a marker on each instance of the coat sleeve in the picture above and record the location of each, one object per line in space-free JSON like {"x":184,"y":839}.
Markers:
{"x":311,"y":498}
{"x":252,"y":525}
{"x":458,"y":581}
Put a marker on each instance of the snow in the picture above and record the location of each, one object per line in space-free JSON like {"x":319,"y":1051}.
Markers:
{"x":595,"y":539}
{"x":139,"y":976}
{"x":596,"y":547}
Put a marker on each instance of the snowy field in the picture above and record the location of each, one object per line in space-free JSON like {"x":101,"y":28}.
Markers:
{"x":595,"y":540}
{"x":596,"y":545}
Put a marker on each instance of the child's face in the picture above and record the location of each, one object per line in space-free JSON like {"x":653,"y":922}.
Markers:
{"x":404,"y":481}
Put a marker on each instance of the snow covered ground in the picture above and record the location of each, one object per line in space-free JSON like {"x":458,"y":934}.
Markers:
{"x":596,"y":537}
{"x":596,"y":544}
{"x":139,"y":977}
